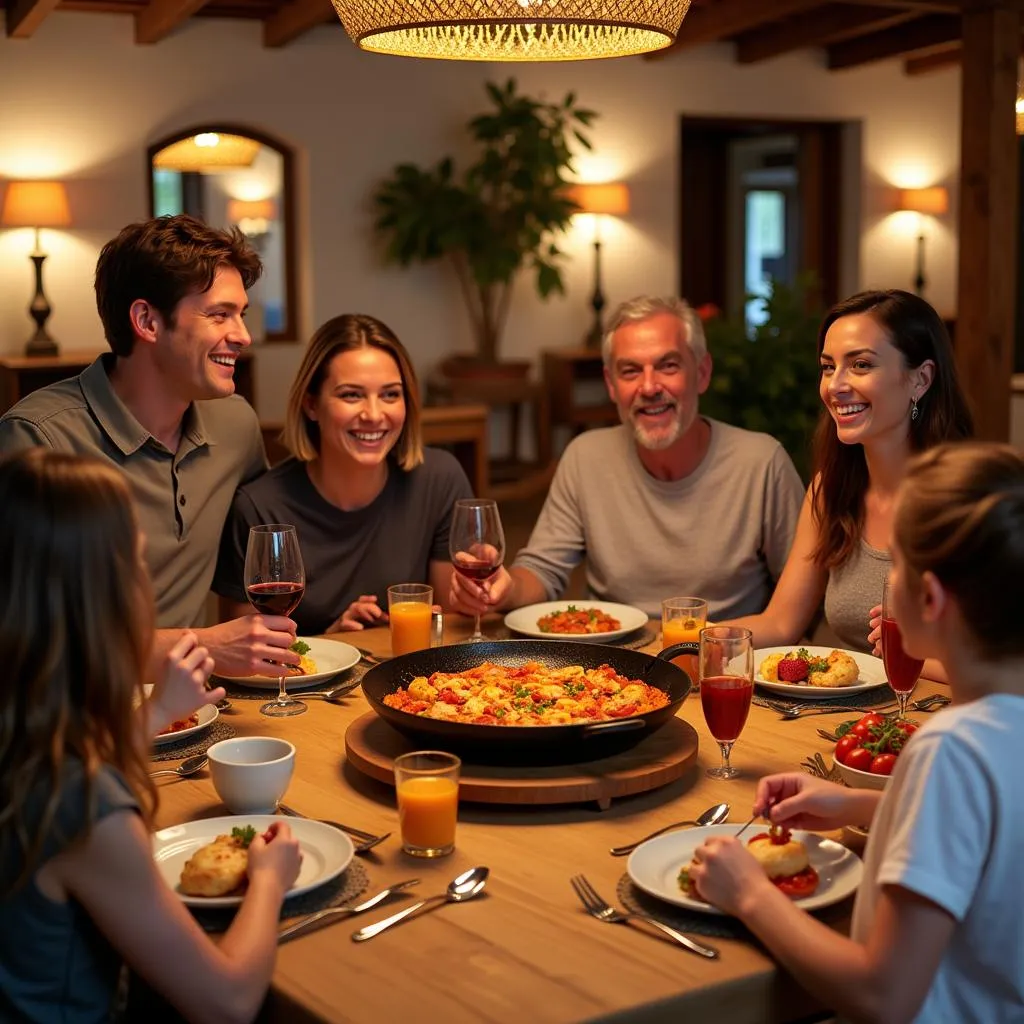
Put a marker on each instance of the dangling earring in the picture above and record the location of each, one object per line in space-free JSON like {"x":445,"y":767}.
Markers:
{"x":913,"y":408}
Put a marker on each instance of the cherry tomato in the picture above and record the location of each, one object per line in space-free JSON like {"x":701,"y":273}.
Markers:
{"x":799,"y":885}
{"x":859,"y":759}
{"x":883,"y":764}
{"x":861,"y":730}
{"x":872,"y":718}
{"x":845,"y":745}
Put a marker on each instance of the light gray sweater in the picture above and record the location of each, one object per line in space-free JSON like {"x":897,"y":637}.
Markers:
{"x":721,"y":534}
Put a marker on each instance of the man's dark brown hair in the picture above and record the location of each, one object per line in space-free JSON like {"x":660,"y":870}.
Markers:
{"x":162,"y":261}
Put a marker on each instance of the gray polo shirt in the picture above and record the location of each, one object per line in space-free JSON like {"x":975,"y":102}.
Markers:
{"x":182,"y":498}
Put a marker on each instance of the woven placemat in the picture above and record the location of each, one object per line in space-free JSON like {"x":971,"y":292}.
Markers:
{"x":865,"y":701}
{"x":238,"y":691}
{"x":197,"y":743}
{"x":717,"y":925}
{"x":349,"y":885}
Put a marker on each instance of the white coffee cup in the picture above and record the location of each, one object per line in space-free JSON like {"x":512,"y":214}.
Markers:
{"x":251,"y":773}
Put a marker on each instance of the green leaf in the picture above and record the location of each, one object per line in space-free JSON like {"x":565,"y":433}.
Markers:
{"x":300,"y":647}
{"x":246,"y":834}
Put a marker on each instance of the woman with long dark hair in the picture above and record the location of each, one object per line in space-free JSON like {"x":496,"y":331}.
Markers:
{"x":889,"y":388}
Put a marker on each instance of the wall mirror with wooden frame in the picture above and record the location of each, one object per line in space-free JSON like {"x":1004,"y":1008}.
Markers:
{"x":228,"y":175}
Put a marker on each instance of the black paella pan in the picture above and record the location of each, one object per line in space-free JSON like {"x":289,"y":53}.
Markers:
{"x":538,"y":744}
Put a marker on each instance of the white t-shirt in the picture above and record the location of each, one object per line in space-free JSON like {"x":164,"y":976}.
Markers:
{"x":951,"y":829}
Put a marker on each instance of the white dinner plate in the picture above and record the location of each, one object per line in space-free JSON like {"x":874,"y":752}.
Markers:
{"x":654,"y":867}
{"x":872,"y":674}
{"x":524,"y":620}
{"x":331,"y":657}
{"x":207,"y":716}
{"x":326,"y":851}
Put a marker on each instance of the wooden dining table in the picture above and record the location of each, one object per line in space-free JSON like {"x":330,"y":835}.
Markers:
{"x":525,"y":950}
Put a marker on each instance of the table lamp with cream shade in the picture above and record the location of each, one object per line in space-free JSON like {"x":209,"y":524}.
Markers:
{"x":609,"y":199}
{"x":37,"y":204}
{"x":933,"y":201}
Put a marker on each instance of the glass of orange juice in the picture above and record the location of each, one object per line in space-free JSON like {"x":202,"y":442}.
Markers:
{"x":409,"y":609}
{"x":682,"y":619}
{"x":427,"y":784}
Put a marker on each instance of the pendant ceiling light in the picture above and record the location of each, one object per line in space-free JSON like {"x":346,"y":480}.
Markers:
{"x":208,"y":151}
{"x":512,"y":30}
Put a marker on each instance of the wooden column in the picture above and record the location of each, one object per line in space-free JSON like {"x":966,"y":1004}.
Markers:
{"x":988,"y":216}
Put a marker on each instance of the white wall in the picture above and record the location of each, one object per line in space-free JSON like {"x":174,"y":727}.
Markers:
{"x":81,"y":101}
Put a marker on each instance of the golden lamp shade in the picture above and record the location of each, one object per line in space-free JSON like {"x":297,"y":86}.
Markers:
{"x":933,"y":200}
{"x":208,"y":151}
{"x":610,"y":197}
{"x":512,"y":30}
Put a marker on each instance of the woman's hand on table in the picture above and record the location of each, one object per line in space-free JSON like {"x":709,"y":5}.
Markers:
{"x":181,"y":685}
{"x":725,"y":873}
{"x":360,"y":614}
{"x":798,"y":800}
{"x":875,"y":636}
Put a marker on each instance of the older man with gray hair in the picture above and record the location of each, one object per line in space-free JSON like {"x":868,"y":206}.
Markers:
{"x":668,"y":503}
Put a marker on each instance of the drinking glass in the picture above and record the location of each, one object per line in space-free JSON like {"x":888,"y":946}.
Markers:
{"x":275,"y":581}
{"x":477,"y":543}
{"x":410,"y":611}
{"x":427,"y":787}
{"x":901,"y":669}
{"x":726,"y":687}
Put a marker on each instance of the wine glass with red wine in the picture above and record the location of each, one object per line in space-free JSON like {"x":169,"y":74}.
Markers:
{"x":275,"y":581}
{"x":901,"y":669}
{"x":477,"y":543}
{"x":726,"y":687}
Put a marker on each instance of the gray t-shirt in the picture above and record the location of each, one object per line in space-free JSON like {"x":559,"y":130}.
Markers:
{"x":853,"y":589}
{"x":722,"y":533}
{"x":392,"y":540}
{"x":56,"y":967}
{"x":181,"y":498}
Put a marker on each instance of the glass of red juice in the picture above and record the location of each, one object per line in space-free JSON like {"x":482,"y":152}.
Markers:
{"x":726,"y":687}
{"x":901,"y":669}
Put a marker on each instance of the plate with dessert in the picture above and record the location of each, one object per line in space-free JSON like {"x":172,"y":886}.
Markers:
{"x":816,"y":673}
{"x":813,"y":871}
{"x":205,"y":861}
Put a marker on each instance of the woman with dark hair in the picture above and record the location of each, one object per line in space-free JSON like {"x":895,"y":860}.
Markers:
{"x":370,"y":504}
{"x":890,"y":389}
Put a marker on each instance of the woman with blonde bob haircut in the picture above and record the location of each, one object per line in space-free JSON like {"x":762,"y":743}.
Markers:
{"x":79,"y":889}
{"x":936,"y":933}
{"x":371,"y":505}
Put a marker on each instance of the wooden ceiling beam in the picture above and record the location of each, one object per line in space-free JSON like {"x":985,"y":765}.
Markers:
{"x":294,"y":19}
{"x":25,"y":16}
{"x":933,"y":61}
{"x":159,"y":18}
{"x":730,"y":18}
{"x":832,"y":24}
{"x":933,"y":31}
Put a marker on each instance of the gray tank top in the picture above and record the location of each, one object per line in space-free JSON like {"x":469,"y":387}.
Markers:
{"x":853,"y":590}
{"x":55,"y":965}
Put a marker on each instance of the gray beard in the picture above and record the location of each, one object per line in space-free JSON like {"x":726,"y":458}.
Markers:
{"x":661,"y":441}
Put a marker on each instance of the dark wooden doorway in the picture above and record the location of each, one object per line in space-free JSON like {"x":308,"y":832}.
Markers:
{"x":798,"y":162}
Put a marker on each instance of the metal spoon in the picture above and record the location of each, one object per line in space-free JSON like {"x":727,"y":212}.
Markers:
{"x":187,"y":767}
{"x":461,"y":888}
{"x":712,"y":816}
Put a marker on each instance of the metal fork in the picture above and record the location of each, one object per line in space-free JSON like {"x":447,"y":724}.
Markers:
{"x":596,"y":907}
{"x":364,"y":840}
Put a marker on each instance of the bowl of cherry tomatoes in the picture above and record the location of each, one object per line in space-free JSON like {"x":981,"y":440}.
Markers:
{"x":868,"y":747}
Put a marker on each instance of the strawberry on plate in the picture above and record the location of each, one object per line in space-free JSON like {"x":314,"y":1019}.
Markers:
{"x":793,"y":670}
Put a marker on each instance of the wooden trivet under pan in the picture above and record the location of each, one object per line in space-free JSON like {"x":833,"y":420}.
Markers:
{"x":372,"y":745}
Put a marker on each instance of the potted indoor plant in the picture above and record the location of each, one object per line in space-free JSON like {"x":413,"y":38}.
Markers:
{"x":499,"y":216}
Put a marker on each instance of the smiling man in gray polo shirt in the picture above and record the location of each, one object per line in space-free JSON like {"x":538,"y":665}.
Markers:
{"x":171,"y":294}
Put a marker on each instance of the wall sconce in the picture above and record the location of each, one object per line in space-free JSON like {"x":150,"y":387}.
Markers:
{"x":253,"y":217}
{"x":37,"y":204}
{"x":932,"y":201}
{"x":608,"y":199}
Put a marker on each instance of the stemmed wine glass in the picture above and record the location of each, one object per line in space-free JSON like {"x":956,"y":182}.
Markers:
{"x":275,"y":581}
{"x":901,"y":669}
{"x":726,"y":687}
{"x":476,"y":542}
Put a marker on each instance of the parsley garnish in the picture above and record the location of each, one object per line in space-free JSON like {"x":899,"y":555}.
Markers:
{"x":245,"y":835}
{"x":300,"y":647}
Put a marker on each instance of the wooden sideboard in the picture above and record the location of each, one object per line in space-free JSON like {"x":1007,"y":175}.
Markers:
{"x":20,"y":375}
{"x":564,"y":370}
